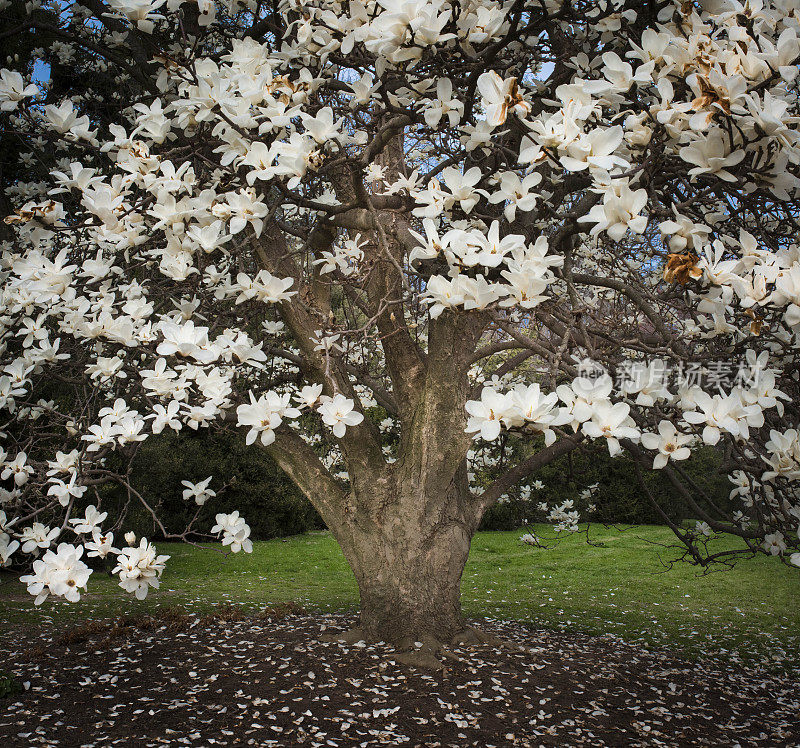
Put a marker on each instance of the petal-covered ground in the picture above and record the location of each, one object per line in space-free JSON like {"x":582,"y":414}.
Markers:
{"x":232,"y":680}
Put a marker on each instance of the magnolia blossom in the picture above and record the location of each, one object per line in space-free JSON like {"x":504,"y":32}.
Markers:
{"x":59,"y":573}
{"x":646,"y":381}
{"x":265,"y":287}
{"x":445,"y":104}
{"x":339,"y":412}
{"x":264,"y":416}
{"x":186,"y":340}
{"x":564,"y":517}
{"x":65,"y":492}
{"x":7,"y":548}
{"x":37,"y":536}
{"x":712,"y":154}
{"x":702,"y":528}
{"x":501,"y":97}
{"x":18,"y":469}
{"x":309,"y":395}
{"x":199,"y":491}
{"x":139,"y":568}
{"x":670,"y":443}
{"x":611,"y":422}
{"x":486,"y":414}
{"x":89,"y":522}
{"x":235,"y":532}
{"x":13,"y":90}
{"x":619,"y":211}
{"x":716,"y":412}
{"x":594,"y":150}
{"x":774,"y":543}
{"x":582,"y":395}
{"x":784,"y":455}
{"x":517,"y":193}
{"x":101,"y":545}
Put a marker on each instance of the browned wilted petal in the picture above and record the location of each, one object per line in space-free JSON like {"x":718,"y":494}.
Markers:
{"x":757,"y":323}
{"x":680,"y":268}
{"x":19,"y":216}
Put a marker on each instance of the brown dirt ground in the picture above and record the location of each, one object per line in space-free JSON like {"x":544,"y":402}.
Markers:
{"x":236,"y":680}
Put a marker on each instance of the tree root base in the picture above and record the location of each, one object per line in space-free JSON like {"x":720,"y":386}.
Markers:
{"x":351,"y":636}
{"x":426,"y":652}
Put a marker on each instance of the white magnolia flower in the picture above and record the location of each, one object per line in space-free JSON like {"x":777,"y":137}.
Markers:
{"x":37,"y":536}
{"x":264,"y":415}
{"x":65,"y":492}
{"x":774,"y":543}
{"x":501,"y":98}
{"x":60,"y":573}
{"x":595,"y":150}
{"x":338,"y":412}
{"x":444,"y":104}
{"x":101,"y":545}
{"x":702,"y":528}
{"x":18,"y":469}
{"x":582,"y":395}
{"x":186,"y":340}
{"x":711,"y":154}
{"x":13,"y":90}
{"x":265,"y":287}
{"x":168,"y":416}
{"x":670,"y":443}
{"x":486,"y":415}
{"x":89,"y":522}
{"x":612,"y":423}
{"x":716,"y":413}
{"x":139,"y":568}
{"x":619,"y":211}
{"x":309,"y":395}
{"x":517,"y":193}
{"x":647,"y":380}
{"x":235,"y":532}
{"x":200,"y":491}
{"x":7,"y":548}
{"x":462,"y":187}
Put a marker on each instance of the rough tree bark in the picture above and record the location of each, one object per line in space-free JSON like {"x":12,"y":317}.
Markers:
{"x":405,"y":527}
{"x":408,"y":564}
{"x":406,"y":541}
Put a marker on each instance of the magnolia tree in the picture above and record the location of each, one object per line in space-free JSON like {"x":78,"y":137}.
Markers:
{"x":380,"y":237}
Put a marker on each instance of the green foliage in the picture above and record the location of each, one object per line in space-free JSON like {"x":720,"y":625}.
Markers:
{"x":619,"y":497}
{"x":274,"y":507}
{"x":8,"y":685}
{"x":618,"y":585}
{"x":256,"y":486}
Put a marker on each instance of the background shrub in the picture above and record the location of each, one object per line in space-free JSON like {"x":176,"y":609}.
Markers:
{"x":619,"y":497}
{"x":257,"y":487}
{"x":274,"y":507}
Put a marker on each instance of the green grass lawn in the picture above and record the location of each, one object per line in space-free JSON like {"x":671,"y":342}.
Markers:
{"x":620,"y":587}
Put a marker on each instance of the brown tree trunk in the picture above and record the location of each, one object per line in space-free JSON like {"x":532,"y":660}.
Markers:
{"x":405,"y":527}
{"x":408,"y":557}
{"x":411,"y":587}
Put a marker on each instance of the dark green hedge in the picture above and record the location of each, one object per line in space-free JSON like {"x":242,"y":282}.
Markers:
{"x":274,"y":507}
{"x":264,"y":496}
{"x":619,"y":497}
